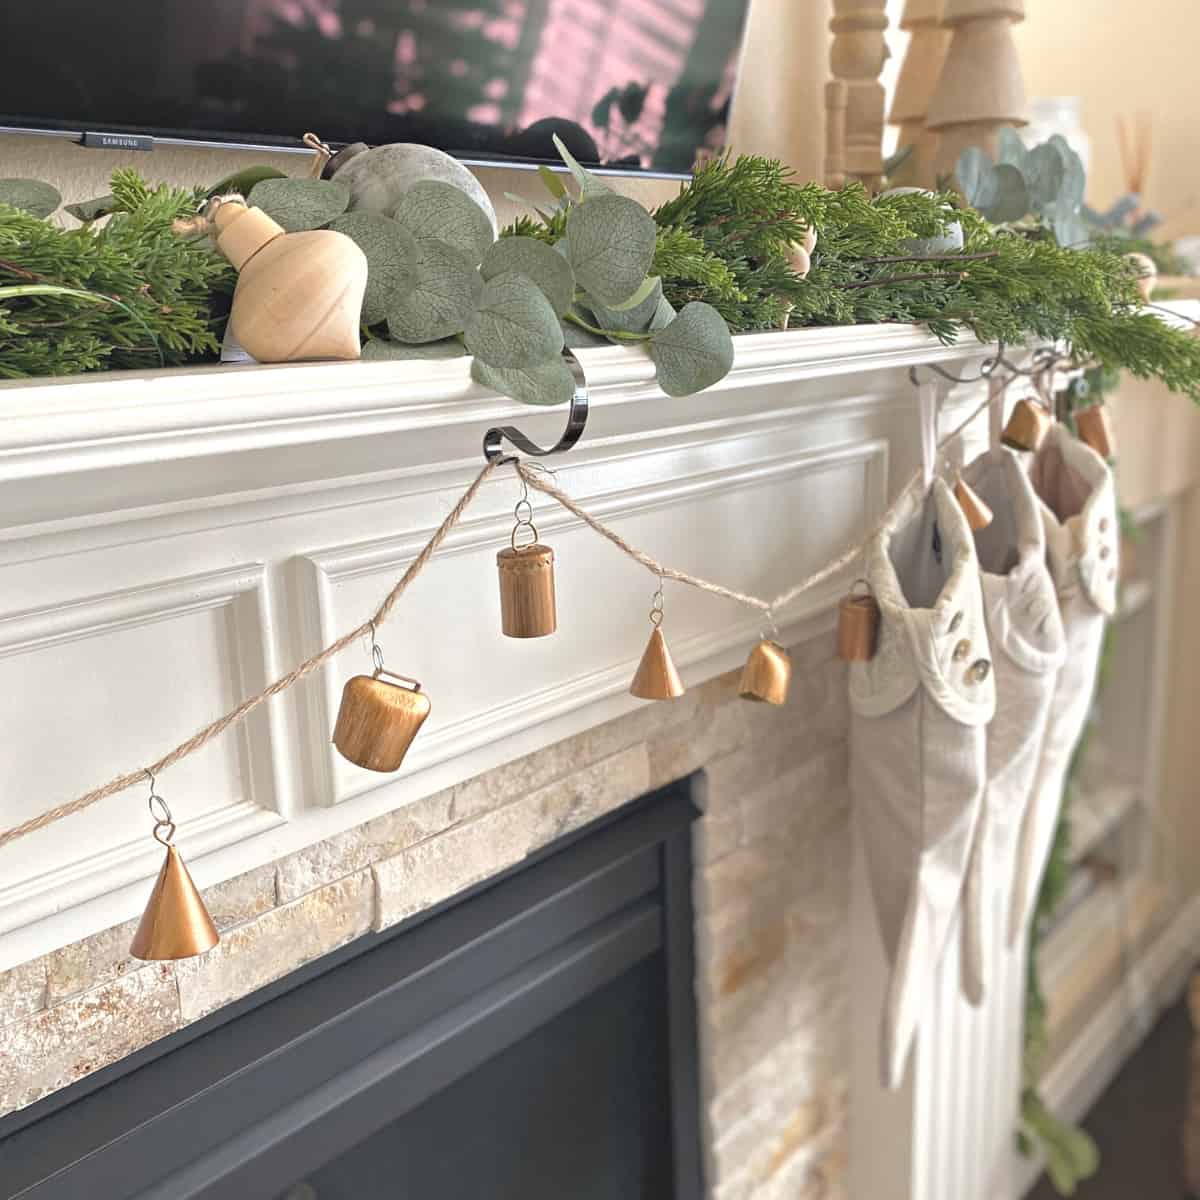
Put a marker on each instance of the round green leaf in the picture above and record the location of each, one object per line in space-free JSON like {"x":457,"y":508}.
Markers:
{"x":442,"y":298}
{"x":513,"y":324}
{"x":693,"y":352}
{"x":973,"y":167}
{"x":610,"y":245}
{"x":1044,"y":174}
{"x":1010,"y":149}
{"x":545,"y":383}
{"x":437,"y":211}
{"x":537,"y":261}
{"x":382,"y":350}
{"x":30,"y":195}
{"x":391,"y":260}
{"x":575,"y":338}
{"x":300,"y":204}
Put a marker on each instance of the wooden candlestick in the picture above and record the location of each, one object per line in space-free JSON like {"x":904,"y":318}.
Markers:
{"x":856,"y":58}
{"x":919,"y":76}
{"x":981,"y":89}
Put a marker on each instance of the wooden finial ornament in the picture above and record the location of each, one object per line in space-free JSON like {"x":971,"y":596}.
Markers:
{"x":979,"y":515}
{"x":856,"y":58}
{"x":175,"y":923}
{"x":858,"y":625}
{"x":299,"y":295}
{"x":656,"y":677}
{"x":981,"y":88}
{"x":919,"y":75}
{"x":1027,"y":426}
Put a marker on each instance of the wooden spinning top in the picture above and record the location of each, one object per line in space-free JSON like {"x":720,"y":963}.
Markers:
{"x":299,"y":295}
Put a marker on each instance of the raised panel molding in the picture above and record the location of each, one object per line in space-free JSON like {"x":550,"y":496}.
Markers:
{"x":750,"y":463}
{"x":102,"y":850}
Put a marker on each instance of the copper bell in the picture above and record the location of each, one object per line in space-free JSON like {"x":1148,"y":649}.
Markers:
{"x":1095,"y":429}
{"x":858,"y":626}
{"x":175,"y":924}
{"x":978,"y":515}
{"x":527,"y":608}
{"x":378,"y":720}
{"x":767,"y":674}
{"x":656,"y":677}
{"x":1026,"y":427}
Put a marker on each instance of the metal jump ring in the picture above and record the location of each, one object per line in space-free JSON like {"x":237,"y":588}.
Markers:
{"x":656,"y":607}
{"x":533,"y":534}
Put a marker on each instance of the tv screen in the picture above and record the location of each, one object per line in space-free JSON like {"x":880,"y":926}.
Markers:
{"x":634,"y":85}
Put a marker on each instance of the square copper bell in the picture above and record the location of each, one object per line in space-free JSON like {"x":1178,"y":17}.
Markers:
{"x":767,"y":674}
{"x":378,"y":720}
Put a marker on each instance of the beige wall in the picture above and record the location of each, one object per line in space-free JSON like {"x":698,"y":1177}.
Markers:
{"x":1122,"y":56}
{"x":778,"y":112}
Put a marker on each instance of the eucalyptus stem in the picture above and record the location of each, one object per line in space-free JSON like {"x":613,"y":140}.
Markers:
{"x":619,"y":334}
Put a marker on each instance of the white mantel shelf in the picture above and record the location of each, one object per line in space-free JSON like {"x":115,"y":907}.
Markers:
{"x":171,"y":540}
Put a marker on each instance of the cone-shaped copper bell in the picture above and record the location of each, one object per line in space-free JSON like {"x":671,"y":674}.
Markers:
{"x":978,"y":515}
{"x":656,"y":677}
{"x":1026,"y":427}
{"x":767,"y":674}
{"x":377,"y":720}
{"x":175,"y":924}
{"x":1094,"y":428}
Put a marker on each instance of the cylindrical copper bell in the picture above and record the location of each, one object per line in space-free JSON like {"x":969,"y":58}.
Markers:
{"x":527,"y":608}
{"x":858,"y":627}
{"x":378,"y":720}
{"x":767,"y":674}
{"x":1094,"y":427}
{"x":1027,"y":426}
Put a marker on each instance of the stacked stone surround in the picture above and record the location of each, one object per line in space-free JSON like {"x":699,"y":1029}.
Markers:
{"x":771,"y":895}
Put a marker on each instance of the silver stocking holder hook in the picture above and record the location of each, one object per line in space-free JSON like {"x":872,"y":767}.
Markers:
{"x":576,"y":421}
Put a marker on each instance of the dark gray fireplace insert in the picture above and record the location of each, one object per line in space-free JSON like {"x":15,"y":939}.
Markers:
{"x":533,"y":1039}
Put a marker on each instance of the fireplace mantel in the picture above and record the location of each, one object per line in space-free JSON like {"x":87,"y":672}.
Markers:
{"x":174,"y":539}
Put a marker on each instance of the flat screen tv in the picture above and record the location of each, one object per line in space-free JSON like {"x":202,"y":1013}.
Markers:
{"x":631,"y":85}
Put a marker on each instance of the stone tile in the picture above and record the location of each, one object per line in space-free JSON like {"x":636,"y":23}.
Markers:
{"x":241,"y":898}
{"x":275,"y":943}
{"x":22,"y":990}
{"x":61,"y":1045}
{"x":715,"y":729}
{"x":467,"y":854}
{"x":356,"y":849}
{"x":752,"y":958}
{"x":796,"y":794}
{"x":93,"y":961}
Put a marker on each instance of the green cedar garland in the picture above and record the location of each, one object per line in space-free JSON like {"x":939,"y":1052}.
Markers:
{"x":154,"y":299}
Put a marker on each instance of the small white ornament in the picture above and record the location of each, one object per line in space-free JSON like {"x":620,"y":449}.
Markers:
{"x":1147,"y":273}
{"x":799,"y":260}
{"x":950,"y":242}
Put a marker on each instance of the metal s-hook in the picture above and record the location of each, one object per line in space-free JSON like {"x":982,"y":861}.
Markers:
{"x":576,"y":421}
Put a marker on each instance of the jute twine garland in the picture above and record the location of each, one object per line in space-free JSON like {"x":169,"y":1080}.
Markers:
{"x":535,"y":479}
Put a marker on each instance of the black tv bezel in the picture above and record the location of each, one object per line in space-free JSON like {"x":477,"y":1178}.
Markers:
{"x":262,"y":143}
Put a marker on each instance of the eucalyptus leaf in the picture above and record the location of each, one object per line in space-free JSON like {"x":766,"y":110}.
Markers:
{"x":973,"y":167}
{"x":1010,"y":148}
{"x":1074,"y":186}
{"x":300,"y":204}
{"x":245,"y":181}
{"x":537,"y":261}
{"x":442,"y":298}
{"x":1044,"y":174}
{"x":693,"y":352}
{"x":663,"y":315}
{"x":513,"y":324}
{"x":589,"y":185}
{"x":382,"y":350}
{"x":30,"y":195}
{"x":1003,"y":196}
{"x":434,"y":210}
{"x":649,"y":284}
{"x":1071,"y":231}
{"x":610,"y":245}
{"x":544,"y":383}
{"x":94,"y":209}
{"x":554,"y":185}
{"x":629,"y":320}
{"x":391,"y":259}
